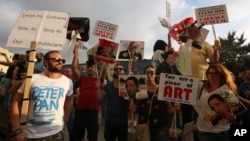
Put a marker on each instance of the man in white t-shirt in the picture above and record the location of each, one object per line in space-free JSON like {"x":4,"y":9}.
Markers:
{"x":50,"y":103}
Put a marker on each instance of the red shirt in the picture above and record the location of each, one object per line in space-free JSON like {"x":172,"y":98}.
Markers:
{"x":87,"y":99}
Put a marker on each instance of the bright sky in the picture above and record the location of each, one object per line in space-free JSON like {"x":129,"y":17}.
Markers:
{"x":137,"y":19}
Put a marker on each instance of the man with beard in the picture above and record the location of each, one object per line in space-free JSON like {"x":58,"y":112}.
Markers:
{"x":50,"y":103}
{"x":116,"y":118}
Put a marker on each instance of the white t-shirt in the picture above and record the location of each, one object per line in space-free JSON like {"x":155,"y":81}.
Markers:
{"x":46,"y":110}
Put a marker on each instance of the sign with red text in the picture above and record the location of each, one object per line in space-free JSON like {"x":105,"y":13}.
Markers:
{"x":47,"y":28}
{"x":178,"y":88}
{"x":212,"y":15}
{"x":105,"y":30}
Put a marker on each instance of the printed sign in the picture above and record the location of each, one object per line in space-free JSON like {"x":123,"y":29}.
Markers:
{"x":131,"y":50}
{"x":137,"y":92}
{"x":105,"y":30}
{"x":104,"y":51}
{"x":212,"y":15}
{"x":219,"y":104}
{"x":47,"y":28}
{"x":178,"y":88}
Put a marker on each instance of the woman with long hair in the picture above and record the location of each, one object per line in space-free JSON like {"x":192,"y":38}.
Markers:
{"x":211,"y":127}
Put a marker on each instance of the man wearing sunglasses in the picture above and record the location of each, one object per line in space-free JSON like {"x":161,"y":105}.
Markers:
{"x":116,"y":120}
{"x":50,"y":103}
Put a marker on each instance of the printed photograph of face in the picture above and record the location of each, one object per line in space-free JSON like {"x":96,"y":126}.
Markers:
{"x":219,"y":105}
{"x":110,"y":71}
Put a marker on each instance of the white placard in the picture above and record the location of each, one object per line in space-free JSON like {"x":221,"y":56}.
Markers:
{"x":178,"y":88}
{"x":168,"y":9}
{"x":212,"y":15}
{"x":47,"y":28}
{"x":105,"y":30}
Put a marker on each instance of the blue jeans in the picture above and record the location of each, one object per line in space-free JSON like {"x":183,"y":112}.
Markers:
{"x":159,"y":134}
{"x":7,"y":98}
{"x":206,"y":136}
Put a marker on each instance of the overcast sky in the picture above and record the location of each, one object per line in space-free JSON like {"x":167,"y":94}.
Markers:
{"x":137,"y":19}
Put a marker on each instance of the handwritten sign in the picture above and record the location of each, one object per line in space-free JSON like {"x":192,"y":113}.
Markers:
{"x":212,"y":15}
{"x":47,"y":28}
{"x":177,"y":88}
{"x":105,"y":30}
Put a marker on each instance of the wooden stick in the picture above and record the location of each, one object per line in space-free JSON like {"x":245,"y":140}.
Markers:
{"x":214,"y":32}
{"x":26,"y":95}
{"x":169,"y":42}
{"x":102,"y":72}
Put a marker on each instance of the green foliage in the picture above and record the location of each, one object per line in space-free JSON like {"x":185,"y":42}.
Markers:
{"x":234,"y":52}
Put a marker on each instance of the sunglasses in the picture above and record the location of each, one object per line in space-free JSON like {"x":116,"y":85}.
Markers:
{"x":57,"y":60}
{"x":121,"y":69}
{"x":149,"y":73}
{"x":213,"y":73}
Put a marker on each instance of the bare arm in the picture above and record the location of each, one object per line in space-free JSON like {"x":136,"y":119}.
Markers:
{"x":14,"y":87}
{"x":14,"y":74}
{"x":75,"y":63}
{"x":68,"y":105}
{"x":216,"y":54}
{"x":15,"y":110}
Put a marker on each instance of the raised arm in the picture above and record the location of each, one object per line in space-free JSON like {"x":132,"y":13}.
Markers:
{"x":75,"y":63}
{"x":216,"y":54}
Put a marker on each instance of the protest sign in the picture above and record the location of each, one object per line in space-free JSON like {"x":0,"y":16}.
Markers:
{"x":178,"y":88}
{"x":47,"y":28}
{"x":211,"y":15}
{"x":105,"y":30}
{"x":214,"y":106}
{"x":129,"y":47}
{"x":141,"y":92}
{"x":104,"y":51}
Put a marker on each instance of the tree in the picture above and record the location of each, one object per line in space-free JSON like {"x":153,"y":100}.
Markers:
{"x":234,"y":52}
